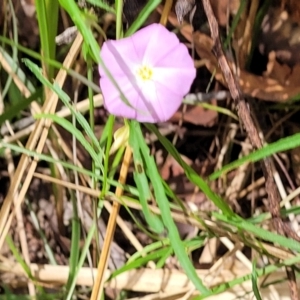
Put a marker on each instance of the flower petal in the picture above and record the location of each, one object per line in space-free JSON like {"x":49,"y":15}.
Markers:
{"x":138,"y":108}
{"x":148,"y":104}
{"x":153,"y":99}
{"x":162,"y":101}
{"x":177,"y":58}
{"x":119,"y":57}
{"x":112,"y":97}
{"x":153,"y":43}
{"x":178,"y":81}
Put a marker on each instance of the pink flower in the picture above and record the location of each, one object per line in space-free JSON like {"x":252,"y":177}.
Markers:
{"x":152,"y":69}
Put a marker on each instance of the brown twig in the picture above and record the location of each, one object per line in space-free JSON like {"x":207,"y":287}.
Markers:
{"x":165,"y":12}
{"x":246,"y":119}
{"x":102,"y":264}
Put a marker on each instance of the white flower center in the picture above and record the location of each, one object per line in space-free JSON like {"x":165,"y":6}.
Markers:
{"x":145,"y":73}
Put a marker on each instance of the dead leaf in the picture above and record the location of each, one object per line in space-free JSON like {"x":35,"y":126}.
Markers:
{"x":252,"y":85}
{"x":197,"y":115}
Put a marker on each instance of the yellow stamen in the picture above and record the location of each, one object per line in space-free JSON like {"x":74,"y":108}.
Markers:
{"x":145,"y":73}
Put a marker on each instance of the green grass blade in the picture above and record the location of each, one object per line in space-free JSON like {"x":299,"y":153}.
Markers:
{"x":18,"y":256}
{"x":3,"y":145}
{"x":257,"y":29}
{"x":141,"y":261}
{"x":212,"y":107}
{"x":12,"y":60}
{"x":148,"y":249}
{"x":142,"y":183}
{"x":235,"y":22}
{"x":261,"y":233}
{"x":102,"y":5}
{"x":51,"y":62}
{"x":15,"y":109}
{"x":106,"y":138}
{"x":260,"y":272}
{"x":119,"y":18}
{"x":191,"y":174}
{"x":143,"y":15}
{"x":81,"y":120}
{"x":79,"y":117}
{"x":81,"y":20}
{"x":164,"y":206}
{"x":77,"y":133}
{"x":75,"y":244}
{"x":144,"y":196}
{"x":36,"y":224}
{"x":81,"y":260}
{"x":47,"y":16}
{"x":254,"y":281}
{"x":283,"y":144}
